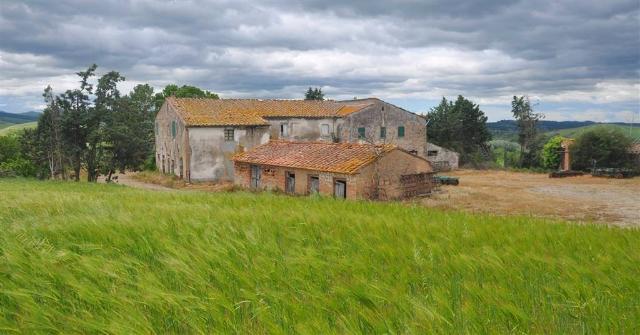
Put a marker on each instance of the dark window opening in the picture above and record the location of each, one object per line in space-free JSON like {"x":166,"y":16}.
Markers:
{"x":361,"y":132}
{"x":383,"y":132}
{"x":413,"y":152}
{"x":340,"y":188}
{"x":290,"y":182}
{"x":228,"y":134}
{"x":401,"y":131}
{"x":284,"y":130}
{"x":314,"y":184}
{"x":432,"y":153}
{"x":173,"y":129}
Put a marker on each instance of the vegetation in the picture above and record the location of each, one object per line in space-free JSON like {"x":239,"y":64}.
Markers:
{"x":88,"y":258}
{"x":314,"y":94}
{"x":601,"y":147}
{"x":17,"y":128}
{"x":462,"y":127}
{"x":552,"y":153}
{"x":96,"y":130}
{"x":632,"y":131}
{"x":527,"y":121}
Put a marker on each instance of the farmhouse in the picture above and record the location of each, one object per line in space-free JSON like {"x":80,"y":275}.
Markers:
{"x":196,"y":138}
{"x":344,"y":170}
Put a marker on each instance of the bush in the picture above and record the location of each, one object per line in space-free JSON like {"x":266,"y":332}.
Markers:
{"x":552,"y":153}
{"x":17,"y":167}
{"x":603,"y":146}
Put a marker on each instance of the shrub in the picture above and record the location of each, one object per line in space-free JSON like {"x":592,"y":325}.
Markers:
{"x":607,"y":147}
{"x":552,"y":153}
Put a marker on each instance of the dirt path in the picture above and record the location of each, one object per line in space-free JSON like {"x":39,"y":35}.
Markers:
{"x":615,"y":201}
{"x":128,"y":180}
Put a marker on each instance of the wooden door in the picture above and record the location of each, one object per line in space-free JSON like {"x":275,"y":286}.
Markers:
{"x":290,"y":183}
{"x":314,"y":184}
{"x":255,"y":176}
{"x":340,"y":189}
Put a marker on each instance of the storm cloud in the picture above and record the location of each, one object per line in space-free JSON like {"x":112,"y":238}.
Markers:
{"x":575,"y":59}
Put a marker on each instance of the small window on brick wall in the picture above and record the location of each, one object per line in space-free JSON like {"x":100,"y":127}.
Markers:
{"x":401,"y":131}
{"x":228,"y":134}
{"x":361,"y":133}
{"x":173,"y":129}
{"x":383,"y":132}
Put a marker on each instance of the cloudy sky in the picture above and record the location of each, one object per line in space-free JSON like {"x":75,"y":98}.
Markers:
{"x":577,"y":59}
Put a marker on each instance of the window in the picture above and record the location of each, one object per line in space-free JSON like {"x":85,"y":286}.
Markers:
{"x":432,"y":153}
{"x":340,"y":188}
{"x":284,"y":130}
{"x":361,"y":133}
{"x":324,"y":129}
{"x":157,"y":128}
{"x":383,"y":132}
{"x":401,"y":131}
{"x":173,"y":129}
{"x":228,"y":134}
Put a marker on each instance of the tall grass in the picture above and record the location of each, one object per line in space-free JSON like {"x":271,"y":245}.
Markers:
{"x":83,"y":258}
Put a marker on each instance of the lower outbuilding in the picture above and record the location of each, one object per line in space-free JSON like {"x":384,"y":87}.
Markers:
{"x":343,"y":170}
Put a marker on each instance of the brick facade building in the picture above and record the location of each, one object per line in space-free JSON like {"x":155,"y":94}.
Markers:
{"x":344,"y":170}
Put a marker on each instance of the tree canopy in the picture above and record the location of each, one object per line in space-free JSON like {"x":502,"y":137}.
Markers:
{"x":460,"y":126}
{"x":314,"y":94}
{"x":184,"y":91}
{"x":605,"y":147}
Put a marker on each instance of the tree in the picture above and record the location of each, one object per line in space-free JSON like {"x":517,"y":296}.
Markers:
{"x":602,"y":147}
{"x":527,"y":121}
{"x":460,"y":126}
{"x":314,"y":94}
{"x":552,"y":153}
{"x":48,"y":133}
{"x":186,"y":91}
{"x":75,"y":107}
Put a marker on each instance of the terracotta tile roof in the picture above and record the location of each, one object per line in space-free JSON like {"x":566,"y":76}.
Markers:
{"x":226,"y":112}
{"x":345,"y":158}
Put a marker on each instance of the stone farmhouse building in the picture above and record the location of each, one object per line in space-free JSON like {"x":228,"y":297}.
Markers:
{"x":196,"y":139}
{"x":344,"y":170}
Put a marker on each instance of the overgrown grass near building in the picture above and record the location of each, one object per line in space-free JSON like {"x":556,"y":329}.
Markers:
{"x":86,"y":258}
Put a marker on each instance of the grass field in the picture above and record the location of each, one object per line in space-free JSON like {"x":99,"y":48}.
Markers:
{"x":17,"y":127}
{"x":83,"y":258}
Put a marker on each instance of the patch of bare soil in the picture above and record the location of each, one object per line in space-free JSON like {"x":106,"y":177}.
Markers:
{"x":583,"y":199}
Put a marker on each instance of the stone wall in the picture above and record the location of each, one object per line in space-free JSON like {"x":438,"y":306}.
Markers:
{"x":382,"y":114}
{"x":273,"y":178}
{"x":171,"y":152}
{"x":386,"y":174}
{"x":211,"y":154}
{"x":442,"y":159}
{"x":304,"y":129}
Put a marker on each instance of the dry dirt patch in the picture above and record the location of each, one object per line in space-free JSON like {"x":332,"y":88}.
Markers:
{"x":585,"y":198}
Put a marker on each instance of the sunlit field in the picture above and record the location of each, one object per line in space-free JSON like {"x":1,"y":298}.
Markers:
{"x":85,"y":258}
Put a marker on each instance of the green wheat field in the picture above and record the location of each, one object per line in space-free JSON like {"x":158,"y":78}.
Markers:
{"x":85,"y":258}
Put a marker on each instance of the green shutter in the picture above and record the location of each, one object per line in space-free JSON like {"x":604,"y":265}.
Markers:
{"x":173,"y":129}
{"x":361,"y":133}
{"x":383,"y":132}
{"x":401,"y":131}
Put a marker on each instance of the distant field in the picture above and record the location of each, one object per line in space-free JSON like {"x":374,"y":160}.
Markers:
{"x":83,"y":258}
{"x":17,"y":128}
{"x":633,"y":132}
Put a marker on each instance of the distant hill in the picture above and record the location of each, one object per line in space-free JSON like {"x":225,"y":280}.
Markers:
{"x":508,"y":129}
{"x":12,"y":118}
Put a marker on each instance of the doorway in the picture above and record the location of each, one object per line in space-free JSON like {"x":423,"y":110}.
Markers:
{"x":314,"y":184}
{"x":290,"y":182}
{"x":340,"y":188}
{"x":256,"y":173}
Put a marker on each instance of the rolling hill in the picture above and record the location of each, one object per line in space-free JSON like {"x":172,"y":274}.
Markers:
{"x":11,"y":118}
{"x":15,"y":128}
{"x":508,"y":129}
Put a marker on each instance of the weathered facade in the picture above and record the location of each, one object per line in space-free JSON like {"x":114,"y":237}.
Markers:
{"x":441,"y":158}
{"x":196,"y":138}
{"x":343,"y":170}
